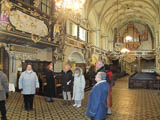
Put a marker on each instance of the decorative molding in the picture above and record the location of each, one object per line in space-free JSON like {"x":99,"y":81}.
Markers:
{"x":36,"y":3}
{"x":5,"y":12}
{"x":35,"y":39}
{"x":29,"y":24}
{"x":23,"y":49}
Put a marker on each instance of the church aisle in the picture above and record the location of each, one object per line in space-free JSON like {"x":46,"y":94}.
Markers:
{"x":128,"y":104}
{"x":134,"y":104}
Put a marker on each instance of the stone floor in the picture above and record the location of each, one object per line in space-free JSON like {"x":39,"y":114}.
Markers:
{"x":128,"y":104}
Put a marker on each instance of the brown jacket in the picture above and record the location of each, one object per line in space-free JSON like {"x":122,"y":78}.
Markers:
{"x":3,"y":86}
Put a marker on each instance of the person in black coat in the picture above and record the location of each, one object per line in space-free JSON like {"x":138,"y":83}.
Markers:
{"x":50,"y":87}
{"x":90,"y":76}
{"x":67,"y":80}
{"x":101,"y":68}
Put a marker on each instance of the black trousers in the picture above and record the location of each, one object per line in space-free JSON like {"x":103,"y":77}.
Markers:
{"x":3,"y":110}
{"x":28,"y":102}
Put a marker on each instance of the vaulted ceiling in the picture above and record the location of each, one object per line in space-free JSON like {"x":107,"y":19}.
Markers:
{"x":110,"y":14}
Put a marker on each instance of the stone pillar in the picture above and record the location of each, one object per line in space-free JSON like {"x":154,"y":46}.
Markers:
{"x":139,"y":64}
{"x":157,"y":39}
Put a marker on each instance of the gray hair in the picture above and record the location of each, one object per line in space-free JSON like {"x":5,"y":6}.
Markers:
{"x":102,"y":75}
{"x":100,"y":63}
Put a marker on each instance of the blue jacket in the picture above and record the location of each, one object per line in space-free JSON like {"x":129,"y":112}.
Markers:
{"x":28,"y":82}
{"x":97,"y":107}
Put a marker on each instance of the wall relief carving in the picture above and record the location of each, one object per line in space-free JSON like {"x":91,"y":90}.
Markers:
{"x":26,"y":23}
{"x":5,"y":11}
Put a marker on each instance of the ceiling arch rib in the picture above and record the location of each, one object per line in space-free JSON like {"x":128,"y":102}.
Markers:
{"x":113,"y":11}
{"x":125,"y":21}
{"x":141,"y":11}
{"x":117,"y":19}
{"x":139,"y":21}
{"x":122,"y":12}
{"x":129,"y":17}
{"x":114,"y":22}
{"x":141,"y":3}
{"x":91,"y":5}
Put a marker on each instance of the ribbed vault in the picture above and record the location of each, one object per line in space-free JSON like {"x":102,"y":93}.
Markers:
{"x":117,"y":13}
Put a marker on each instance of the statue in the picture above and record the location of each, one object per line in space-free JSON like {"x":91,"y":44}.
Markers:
{"x":36,"y":3}
{"x":5,"y":11}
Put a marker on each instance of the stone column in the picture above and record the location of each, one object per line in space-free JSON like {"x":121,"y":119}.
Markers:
{"x":139,"y":64}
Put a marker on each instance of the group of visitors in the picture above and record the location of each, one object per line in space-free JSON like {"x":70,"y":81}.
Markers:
{"x":99,"y":102}
{"x":78,"y":81}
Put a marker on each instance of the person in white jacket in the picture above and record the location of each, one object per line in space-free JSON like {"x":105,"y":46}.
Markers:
{"x":78,"y":87}
{"x":29,"y":85}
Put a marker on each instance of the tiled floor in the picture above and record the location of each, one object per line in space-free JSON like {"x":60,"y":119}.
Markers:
{"x":128,"y":104}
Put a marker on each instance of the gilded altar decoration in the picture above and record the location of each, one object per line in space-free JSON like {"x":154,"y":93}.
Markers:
{"x":130,"y":59}
{"x":56,"y":29}
{"x":5,"y":11}
{"x":35,"y":38}
{"x":34,"y":13}
{"x":28,"y":24}
{"x":131,"y":38}
{"x":36,"y":3}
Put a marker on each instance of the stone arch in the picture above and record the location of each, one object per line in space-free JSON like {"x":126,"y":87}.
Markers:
{"x":76,"y":57}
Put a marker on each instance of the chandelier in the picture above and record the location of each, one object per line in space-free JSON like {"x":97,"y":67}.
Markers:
{"x":74,"y":5}
{"x":125,"y":50}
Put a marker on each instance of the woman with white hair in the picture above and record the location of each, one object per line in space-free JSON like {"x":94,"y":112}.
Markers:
{"x":78,"y":87}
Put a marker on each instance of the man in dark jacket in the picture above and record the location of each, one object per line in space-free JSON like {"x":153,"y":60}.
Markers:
{"x":67,"y":81}
{"x":101,"y":68}
{"x":90,"y":76}
{"x":3,"y":91}
{"x":97,"y":107}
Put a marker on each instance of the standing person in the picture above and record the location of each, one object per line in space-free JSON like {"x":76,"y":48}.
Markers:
{"x":67,"y":80}
{"x":78,"y":87}
{"x":3,"y":91}
{"x":90,"y":76}
{"x":110,"y":81}
{"x":50,"y":87}
{"x":28,"y":84}
{"x":97,"y":107}
{"x":101,"y":68}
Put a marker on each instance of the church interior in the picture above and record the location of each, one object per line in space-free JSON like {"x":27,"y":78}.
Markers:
{"x":124,"y":34}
